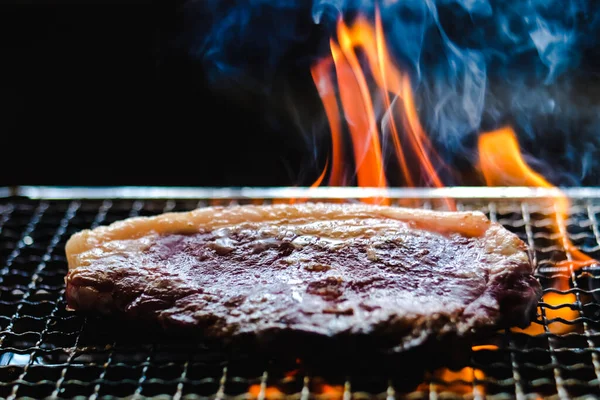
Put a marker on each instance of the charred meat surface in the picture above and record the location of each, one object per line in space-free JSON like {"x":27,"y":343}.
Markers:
{"x":405,"y":276}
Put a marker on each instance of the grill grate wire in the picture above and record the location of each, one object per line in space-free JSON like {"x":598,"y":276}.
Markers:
{"x":47,"y":352}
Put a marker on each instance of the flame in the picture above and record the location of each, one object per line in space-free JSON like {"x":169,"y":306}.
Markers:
{"x":321,"y":177}
{"x":553,"y":316}
{"x":317,"y":183}
{"x":270,"y":392}
{"x":502,"y":164}
{"x":292,"y":373}
{"x":358,"y":105}
{"x":461,"y":382}
{"x":480,"y":347}
{"x":320,"y":74}
{"x":332,"y":391}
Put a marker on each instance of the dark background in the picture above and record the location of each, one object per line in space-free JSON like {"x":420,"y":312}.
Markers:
{"x":97,"y":94}
{"x":105,"y":94}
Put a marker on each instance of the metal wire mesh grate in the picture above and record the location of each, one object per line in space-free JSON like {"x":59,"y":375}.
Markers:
{"x":47,"y":352}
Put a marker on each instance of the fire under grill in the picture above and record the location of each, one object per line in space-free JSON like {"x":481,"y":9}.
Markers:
{"x":46,"y":351}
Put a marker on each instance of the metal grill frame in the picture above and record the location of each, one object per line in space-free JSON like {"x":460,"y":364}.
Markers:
{"x":548,"y":365}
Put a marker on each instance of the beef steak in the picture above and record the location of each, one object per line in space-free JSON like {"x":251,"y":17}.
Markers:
{"x":403,"y":276}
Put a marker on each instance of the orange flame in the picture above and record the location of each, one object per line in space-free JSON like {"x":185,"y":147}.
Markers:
{"x":559,"y":308}
{"x":319,"y":180}
{"x":461,"y":382}
{"x":359,"y":107}
{"x":320,"y":74}
{"x":502,"y":164}
{"x":317,"y":183}
{"x":464,"y":381}
{"x":332,"y":391}
{"x":268,"y":392}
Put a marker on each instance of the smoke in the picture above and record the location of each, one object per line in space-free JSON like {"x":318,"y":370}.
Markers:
{"x":246,"y":40}
{"x":476,"y":65}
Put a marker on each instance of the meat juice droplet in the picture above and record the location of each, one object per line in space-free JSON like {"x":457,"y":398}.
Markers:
{"x":297,"y":296}
{"x":222,"y":232}
{"x":223,"y":246}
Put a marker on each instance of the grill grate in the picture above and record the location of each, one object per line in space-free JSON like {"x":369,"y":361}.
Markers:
{"x":47,"y":352}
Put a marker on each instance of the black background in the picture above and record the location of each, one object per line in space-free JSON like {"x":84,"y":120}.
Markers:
{"x":98,"y":94}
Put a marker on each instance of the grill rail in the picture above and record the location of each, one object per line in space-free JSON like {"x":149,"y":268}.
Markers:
{"x":191,"y":193}
{"x":46,"y":351}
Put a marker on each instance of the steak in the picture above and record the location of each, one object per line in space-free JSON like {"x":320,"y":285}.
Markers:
{"x":399,"y":277}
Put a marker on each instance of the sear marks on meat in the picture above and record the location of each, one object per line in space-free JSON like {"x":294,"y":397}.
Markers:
{"x":402,"y":276}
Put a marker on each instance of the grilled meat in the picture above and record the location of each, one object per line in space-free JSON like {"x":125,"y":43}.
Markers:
{"x":401,"y":277}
